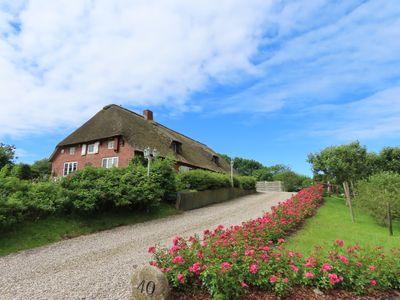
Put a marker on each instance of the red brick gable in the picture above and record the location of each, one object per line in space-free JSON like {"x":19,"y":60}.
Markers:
{"x":62,"y":155}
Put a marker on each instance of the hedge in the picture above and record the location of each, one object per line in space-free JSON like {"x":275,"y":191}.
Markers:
{"x":201,"y":180}
{"x":93,"y":190}
{"x":87,"y":191}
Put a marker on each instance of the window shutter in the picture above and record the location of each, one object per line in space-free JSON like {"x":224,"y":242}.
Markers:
{"x":96,"y":147}
{"x":83,"y":152}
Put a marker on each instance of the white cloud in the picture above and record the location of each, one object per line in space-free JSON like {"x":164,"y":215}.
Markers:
{"x":63,"y":60}
{"x":323,"y":55}
{"x":376,"y":116}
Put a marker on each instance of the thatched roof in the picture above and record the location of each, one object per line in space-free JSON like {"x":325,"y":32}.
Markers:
{"x":140,"y":133}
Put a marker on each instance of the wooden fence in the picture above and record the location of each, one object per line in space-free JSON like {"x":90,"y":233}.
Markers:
{"x":269,"y":186}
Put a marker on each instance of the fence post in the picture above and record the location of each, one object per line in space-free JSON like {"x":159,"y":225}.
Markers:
{"x":389,"y":214}
{"x":348,"y":197}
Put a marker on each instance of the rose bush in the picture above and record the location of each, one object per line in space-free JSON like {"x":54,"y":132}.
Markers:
{"x":227,"y":262}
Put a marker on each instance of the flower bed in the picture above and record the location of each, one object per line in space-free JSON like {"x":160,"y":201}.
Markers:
{"x":227,"y":262}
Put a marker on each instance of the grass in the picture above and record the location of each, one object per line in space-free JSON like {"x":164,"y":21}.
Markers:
{"x":56,"y":228}
{"x":333,"y":222}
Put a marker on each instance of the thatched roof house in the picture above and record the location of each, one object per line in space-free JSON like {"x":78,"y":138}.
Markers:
{"x":115,"y":135}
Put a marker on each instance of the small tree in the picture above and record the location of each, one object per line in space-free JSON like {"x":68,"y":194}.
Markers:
{"x":245,"y":166}
{"x":380,"y":196}
{"x":342,"y":164}
{"x":41,"y":168}
{"x":7,"y":155}
{"x":22,"y":171}
{"x":263,"y":174}
{"x":390,"y":159}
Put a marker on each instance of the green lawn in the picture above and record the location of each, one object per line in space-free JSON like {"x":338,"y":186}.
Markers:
{"x":333,"y":221}
{"x":55,"y":228}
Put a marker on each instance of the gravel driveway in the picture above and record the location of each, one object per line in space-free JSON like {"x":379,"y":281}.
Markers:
{"x":99,"y":266}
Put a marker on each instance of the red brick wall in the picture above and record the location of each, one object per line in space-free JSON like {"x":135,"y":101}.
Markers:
{"x":125,"y":153}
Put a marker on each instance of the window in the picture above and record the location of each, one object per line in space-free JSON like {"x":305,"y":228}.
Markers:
{"x":109,"y":162}
{"x":93,"y":148}
{"x":184,"y":169}
{"x":90,"y":149}
{"x":72,"y":150}
{"x":70,"y":167}
{"x":176,"y":147}
{"x":110,"y":144}
{"x":215,"y":159}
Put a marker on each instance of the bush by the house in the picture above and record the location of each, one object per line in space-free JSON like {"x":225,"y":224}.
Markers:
{"x":201,"y":180}
{"x":164,"y":173}
{"x":22,"y":199}
{"x":88,"y":191}
{"x":374,"y":194}
{"x":227,"y":262}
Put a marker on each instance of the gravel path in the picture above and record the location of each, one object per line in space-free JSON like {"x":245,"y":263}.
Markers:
{"x":99,"y":266}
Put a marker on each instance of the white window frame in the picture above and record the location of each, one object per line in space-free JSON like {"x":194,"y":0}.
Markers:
{"x":90,"y":151}
{"x":110,"y":144}
{"x":110,"y":162}
{"x":72,"y":150}
{"x":95,"y":148}
{"x":70,"y":167}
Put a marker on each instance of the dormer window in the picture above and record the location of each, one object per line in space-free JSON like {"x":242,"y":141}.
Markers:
{"x":215,"y":159}
{"x":176,"y":147}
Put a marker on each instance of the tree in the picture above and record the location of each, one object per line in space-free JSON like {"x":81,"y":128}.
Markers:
{"x":41,"y":168}
{"x":390,"y":159}
{"x":380,"y":196}
{"x":7,"y":155}
{"x":245,"y":166}
{"x":279,"y":168}
{"x":344,"y":163}
{"x":263,"y":174}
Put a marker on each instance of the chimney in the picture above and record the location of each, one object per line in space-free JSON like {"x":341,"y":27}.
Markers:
{"x":148,"y":115}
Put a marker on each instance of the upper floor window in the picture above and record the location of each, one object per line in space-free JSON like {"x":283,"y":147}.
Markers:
{"x":72,"y":150}
{"x":110,"y":144}
{"x":109,"y":162}
{"x":93,"y":148}
{"x":176,"y":147}
{"x":70,"y":167}
{"x":215,"y":159}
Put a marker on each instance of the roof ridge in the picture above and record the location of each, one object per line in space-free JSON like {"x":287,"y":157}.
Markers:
{"x":158,"y":124}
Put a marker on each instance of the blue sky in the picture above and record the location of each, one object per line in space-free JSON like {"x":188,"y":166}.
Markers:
{"x":267,"y":80}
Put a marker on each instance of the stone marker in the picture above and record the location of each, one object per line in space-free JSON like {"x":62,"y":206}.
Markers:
{"x":149,"y":282}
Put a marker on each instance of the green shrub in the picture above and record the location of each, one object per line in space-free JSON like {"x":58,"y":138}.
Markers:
{"x":374,"y":193}
{"x":12,"y":207}
{"x":96,"y":189}
{"x":22,"y":171}
{"x":164,"y":174}
{"x":91,"y":189}
{"x":247,"y":182}
{"x":292,"y":181}
{"x":203,"y":180}
{"x":43,"y":198}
